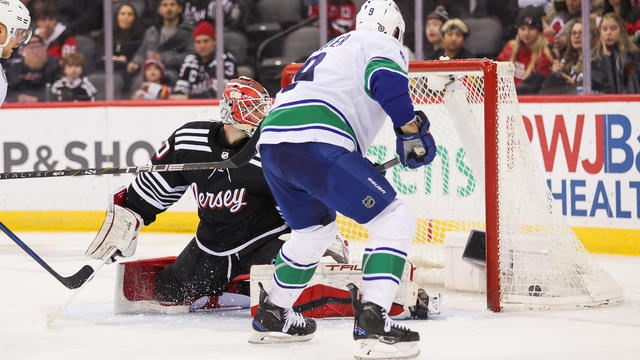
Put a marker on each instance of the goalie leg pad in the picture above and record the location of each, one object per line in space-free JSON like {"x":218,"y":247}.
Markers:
{"x":136,"y":291}
{"x":297,"y":261}
{"x":391,"y":233}
{"x":327,"y":294}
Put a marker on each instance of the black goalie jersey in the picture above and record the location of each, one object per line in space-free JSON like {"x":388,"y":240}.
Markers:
{"x":235,"y":206}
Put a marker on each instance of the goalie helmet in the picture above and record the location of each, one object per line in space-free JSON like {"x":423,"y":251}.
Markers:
{"x":383,"y":16}
{"x":245,"y":103}
{"x":15,"y":17}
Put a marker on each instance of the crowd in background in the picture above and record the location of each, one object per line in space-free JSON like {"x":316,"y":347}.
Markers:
{"x":165,"y":49}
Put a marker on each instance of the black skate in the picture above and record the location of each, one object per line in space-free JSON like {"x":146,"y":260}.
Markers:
{"x":378,"y":337}
{"x":273,"y":324}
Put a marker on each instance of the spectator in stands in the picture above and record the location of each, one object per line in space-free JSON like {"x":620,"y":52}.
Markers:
{"x":567,"y":72}
{"x":434,"y":22}
{"x":629,"y":13}
{"x":341,"y":16}
{"x":454,"y":31}
{"x":565,"y":11}
{"x":73,"y":86}
{"x":196,"y":11}
{"x":127,"y":38}
{"x":455,"y":8}
{"x":197,"y":77}
{"x":529,"y":51}
{"x":154,"y":86}
{"x":615,"y":60}
{"x":29,"y":76}
{"x":167,"y":40}
{"x":56,"y":36}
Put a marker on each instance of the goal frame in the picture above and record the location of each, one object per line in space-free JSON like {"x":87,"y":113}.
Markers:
{"x":490,"y":73}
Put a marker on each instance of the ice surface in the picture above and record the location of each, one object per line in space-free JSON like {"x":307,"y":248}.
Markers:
{"x":88,"y":329}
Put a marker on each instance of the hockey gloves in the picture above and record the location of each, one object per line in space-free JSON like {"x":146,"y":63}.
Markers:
{"x":119,"y":232}
{"x":417,"y":149}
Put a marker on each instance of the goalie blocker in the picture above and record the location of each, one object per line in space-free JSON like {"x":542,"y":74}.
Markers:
{"x":326,"y":296}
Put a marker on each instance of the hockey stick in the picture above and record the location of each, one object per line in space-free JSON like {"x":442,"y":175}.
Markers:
{"x":241,"y":158}
{"x":418,"y":151}
{"x":72,"y":282}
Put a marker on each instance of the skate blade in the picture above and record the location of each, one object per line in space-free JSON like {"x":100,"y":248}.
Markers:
{"x":372,"y":349}
{"x":275,"y":337}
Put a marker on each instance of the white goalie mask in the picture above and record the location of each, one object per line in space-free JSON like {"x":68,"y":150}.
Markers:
{"x":383,"y":16}
{"x":245,"y":103}
{"x":15,"y":17}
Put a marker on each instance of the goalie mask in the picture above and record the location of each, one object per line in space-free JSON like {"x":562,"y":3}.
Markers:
{"x":15,"y":17}
{"x":383,"y":16}
{"x":245,"y":103}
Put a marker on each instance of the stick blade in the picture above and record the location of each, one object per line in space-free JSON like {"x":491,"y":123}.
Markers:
{"x":76,"y":280}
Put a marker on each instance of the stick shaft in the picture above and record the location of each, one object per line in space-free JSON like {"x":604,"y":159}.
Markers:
{"x":72,"y":282}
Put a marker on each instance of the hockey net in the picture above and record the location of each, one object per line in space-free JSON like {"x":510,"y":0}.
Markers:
{"x":534,"y":259}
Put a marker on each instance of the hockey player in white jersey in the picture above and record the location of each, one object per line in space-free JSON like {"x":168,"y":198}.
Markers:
{"x":312,"y":147}
{"x":14,"y":30}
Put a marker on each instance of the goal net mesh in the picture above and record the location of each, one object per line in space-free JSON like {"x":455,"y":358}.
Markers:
{"x":542,"y":263}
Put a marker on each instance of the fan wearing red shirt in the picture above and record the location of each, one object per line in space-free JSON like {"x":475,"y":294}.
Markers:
{"x":529,"y":51}
{"x":56,"y":36}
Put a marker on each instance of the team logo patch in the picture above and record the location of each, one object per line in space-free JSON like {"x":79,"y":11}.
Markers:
{"x":368,"y":202}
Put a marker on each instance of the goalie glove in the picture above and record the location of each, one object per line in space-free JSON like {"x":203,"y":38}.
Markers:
{"x":417,"y":149}
{"x":119,"y":232}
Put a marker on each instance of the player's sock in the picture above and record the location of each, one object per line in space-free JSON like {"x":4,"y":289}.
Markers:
{"x":377,"y":335}
{"x":275,"y":324}
{"x":382,"y":269}
{"x":289,"y":279}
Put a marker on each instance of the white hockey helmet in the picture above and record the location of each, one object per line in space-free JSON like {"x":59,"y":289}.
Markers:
{"x":383,"y":16}
{"x":15,"y":17}
{"x":245,"y":103}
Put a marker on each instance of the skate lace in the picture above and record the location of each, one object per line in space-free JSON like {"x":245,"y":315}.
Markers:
{"x":292,"y":318}
{"x":388,"y":323}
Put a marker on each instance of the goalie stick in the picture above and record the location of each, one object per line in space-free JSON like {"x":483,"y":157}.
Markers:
{"x":241,"y":158}
{"x":72,"y":282}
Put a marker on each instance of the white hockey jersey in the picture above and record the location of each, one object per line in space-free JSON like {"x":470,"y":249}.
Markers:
{"x":343,"y":94}
{"x":3,"y":85}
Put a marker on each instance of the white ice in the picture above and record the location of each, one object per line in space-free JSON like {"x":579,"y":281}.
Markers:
{"x":88,"y":329}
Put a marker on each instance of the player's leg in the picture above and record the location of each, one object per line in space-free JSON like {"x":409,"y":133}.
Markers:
{"x":194,"y":274}
{"x":347,"y":182}
{"x":391,"y":229}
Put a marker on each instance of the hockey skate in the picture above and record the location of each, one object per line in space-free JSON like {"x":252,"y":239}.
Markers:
{"x":378,"y":337}
{"x":273,"y":324}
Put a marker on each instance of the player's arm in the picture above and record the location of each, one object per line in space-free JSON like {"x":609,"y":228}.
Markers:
{"x":128,"y":209}
{"x":387,"y":83}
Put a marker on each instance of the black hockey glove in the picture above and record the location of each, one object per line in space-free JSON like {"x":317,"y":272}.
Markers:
{"x":417,"y":149}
